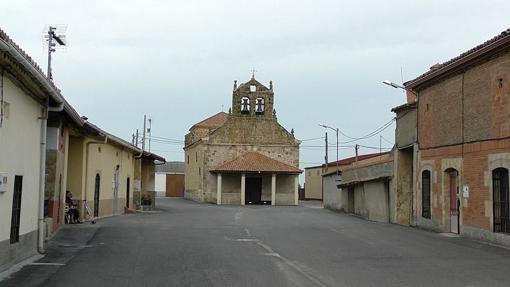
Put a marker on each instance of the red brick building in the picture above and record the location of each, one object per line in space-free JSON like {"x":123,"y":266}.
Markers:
{"x":463,"y":134}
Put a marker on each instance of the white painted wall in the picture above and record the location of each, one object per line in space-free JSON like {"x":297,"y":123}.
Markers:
{"x":20,"y":137}
{"x":160,"y":185}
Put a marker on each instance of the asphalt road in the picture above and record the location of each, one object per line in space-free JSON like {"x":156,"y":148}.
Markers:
{"x":191,"y":244}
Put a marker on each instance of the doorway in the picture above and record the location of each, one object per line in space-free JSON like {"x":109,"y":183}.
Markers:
{"x":127,"y":193}
{"x":116,"y":177}
{"x":16,"y":209}
{"x":96,"y":195}
{"x":254,"y":190}
{"x":501,"y":205}
{"x":454,"y":201}
{"x":350,"y":200}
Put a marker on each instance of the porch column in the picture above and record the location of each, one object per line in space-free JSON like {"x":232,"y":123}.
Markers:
{"x":218,"y":189}
{"x":243,"y":188}
{"x":273,"y":189}
{"x":296,"y":190}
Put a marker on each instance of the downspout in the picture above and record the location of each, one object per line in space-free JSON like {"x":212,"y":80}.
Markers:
{"x":87,"y":162}
{"x":1,"y":96}
{"x":42,"y":171}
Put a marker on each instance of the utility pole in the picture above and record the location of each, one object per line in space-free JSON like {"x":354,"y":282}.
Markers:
{"x":326,"y":154}
{"x":356,"y":148}
{"x":149,"y":131}
{"x":136,"y":141}
{"x":337,"y":171}
{"x":144,"y":131}
{"x":380,"y":143}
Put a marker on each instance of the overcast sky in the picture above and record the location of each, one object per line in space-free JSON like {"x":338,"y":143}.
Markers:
{"x":176,"y":60}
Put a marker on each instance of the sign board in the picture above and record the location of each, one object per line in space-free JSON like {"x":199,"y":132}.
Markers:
{"x":3,"y":182}
{"x":465,"y":191}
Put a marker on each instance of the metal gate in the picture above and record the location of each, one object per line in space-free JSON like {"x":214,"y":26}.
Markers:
{"x":501,"y":205}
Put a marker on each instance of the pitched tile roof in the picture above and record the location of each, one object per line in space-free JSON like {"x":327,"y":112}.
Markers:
{"x":254,"y":162}
{"x":212,"y":122}
{"x":501,"y":40}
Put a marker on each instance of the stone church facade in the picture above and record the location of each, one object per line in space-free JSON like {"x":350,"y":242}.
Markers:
{"x":245,"y":156}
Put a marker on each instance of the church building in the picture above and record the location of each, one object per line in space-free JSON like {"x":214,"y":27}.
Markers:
{"x":245,"y":156}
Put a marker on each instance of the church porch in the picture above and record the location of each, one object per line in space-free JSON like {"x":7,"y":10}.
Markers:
{"x":257,"y":188}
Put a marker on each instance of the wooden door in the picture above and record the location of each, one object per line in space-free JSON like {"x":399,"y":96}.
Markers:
{"x":454,"y":202}
{"x":253,"y":190}
{"x":97,"y":186}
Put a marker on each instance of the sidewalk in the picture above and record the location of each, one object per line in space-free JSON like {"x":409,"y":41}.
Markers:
{"x":69,"y":240}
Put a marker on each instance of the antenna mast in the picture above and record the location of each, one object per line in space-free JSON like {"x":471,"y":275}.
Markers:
{"x":54,"y":39}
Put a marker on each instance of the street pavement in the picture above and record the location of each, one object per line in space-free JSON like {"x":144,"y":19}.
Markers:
{"x":185,"y":243}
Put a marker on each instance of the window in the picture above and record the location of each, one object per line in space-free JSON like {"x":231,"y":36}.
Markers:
{"x":253,"y":88}
{"x":245,"y":105}
{"x":500,"y":83}
{"x":196,"y":156}
{"x":16,"y":208}
{"x":199,"y":172}
{"x":188,"y":159}
{"x":425,"y":194}
{"x":501,"y":202}
{"x":259,"y":106}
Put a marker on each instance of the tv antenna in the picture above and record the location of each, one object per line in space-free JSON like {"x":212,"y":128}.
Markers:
{"x":56,"y":38}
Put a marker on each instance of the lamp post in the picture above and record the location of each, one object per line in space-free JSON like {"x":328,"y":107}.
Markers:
{"x":397,"y":86}
{"x":336,"y":131}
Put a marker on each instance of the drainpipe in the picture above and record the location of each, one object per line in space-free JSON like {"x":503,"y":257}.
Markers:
{"x":1,"y":96}
{"x":42,"y":171}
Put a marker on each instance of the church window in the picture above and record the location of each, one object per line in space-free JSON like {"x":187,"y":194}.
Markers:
{"x":259,"y":109}
{"x":253,"y":88}
{"x":245,"y":105}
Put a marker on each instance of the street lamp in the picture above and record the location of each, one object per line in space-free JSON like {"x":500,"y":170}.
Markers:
{"x":336,"y":131}
{"x":397,"y":86}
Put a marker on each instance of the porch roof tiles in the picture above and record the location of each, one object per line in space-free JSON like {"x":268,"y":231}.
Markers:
{"x":254,"y":162}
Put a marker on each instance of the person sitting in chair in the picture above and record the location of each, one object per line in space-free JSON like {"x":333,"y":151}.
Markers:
{"x":73,"y":211}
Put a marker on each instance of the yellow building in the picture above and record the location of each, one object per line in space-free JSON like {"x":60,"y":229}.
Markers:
{"x":313,"y":182}
{"x":46,"y":149}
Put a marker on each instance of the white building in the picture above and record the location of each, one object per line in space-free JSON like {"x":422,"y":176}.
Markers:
{"x":26,"y":95}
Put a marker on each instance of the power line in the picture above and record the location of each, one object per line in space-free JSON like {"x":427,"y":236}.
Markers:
{"x":369,"y":135}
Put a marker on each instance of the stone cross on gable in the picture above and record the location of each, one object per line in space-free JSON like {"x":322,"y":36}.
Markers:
{"x":253,"y":73}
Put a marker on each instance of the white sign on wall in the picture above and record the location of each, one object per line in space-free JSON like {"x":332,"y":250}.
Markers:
{"x":3,"y":182}
{"x":465,"y":191}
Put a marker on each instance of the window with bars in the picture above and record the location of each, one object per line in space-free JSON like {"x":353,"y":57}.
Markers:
{"x":16,"y":208}
{"x":425,"y":194}
{"x":501,"y":202}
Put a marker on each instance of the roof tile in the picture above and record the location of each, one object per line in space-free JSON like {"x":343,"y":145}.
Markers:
{"x":254,"y":162}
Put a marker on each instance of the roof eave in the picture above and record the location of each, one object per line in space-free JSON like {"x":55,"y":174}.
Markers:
{"x":460,"y":63}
